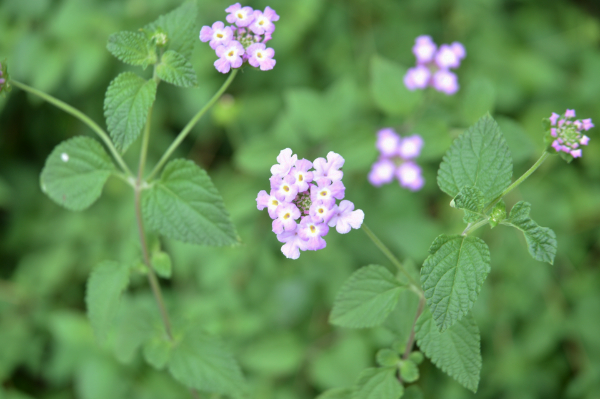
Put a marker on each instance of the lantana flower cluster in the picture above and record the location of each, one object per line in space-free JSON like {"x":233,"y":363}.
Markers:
{"x":244,"y":40}
{"x":433,"y":65}
{"x":302,"y":202}
{"x":396,"y":160}
{"x":565,"y":133}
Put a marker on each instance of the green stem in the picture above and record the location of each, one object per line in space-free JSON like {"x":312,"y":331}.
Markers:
{"x":186,"y":130}
{"x":517,"y":182}
{"x":152,"y":279}
{"x":475,"y":226}
{"x":388,"y":253}
{"x":411,"y":338}
{"x":82,"y":117}
{"x":144,"y":149}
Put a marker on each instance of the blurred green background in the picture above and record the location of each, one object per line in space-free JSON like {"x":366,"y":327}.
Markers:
{"x":338,"y":79}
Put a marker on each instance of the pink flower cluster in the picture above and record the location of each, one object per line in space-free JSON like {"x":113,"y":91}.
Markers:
{"x":244,"y":40}
{"x":433,"y":65}
{"x":2,"y":80}
{"x":396,"y":160}
{"x":302,"y":203}
{"x":566,"y":132}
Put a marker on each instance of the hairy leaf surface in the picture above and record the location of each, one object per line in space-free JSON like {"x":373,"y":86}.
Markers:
{"x":75,"y":173}
{"x":174,"y":68}
{"x":452,"y":276}
{"x":126,"y":106}
{"x":105,"y":285}
{"x":133,"y":48}
{"x":541,"y":241}
{"x":365,"y":300}
{"x":378,"y":383}
{"x":455,"y":351}
{"x":180,"y":26}
{"x":185,"y":205}
{"x":201,"y":361}
{"x":478,"y":158}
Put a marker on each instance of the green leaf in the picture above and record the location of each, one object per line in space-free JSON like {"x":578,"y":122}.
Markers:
{"x":161,"y":262}
{"x":469,"y":199}
{"x":180,"y":26}
{"x":126,"y":106}
{"x":409,"y":371}
{"x":133,"y":48}
{"x":174,"y":68}
{"x":75,"y":173}
{"x":186,"y":206}
{"x":378,"y":383}
{"x":366,"y":298}
{"x":388,"y":89}
{"x":478,"y":158}
{"x":455,"y":351}
{"x":541,"y":241}
{"x":103,"y":293}
{"x":157,"y":351}
{"x":387,"y":357}
{"x":452,"y":276}
{"x":199,"y":360}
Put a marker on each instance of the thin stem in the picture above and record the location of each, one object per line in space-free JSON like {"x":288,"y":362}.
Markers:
{"x":186,"y":130}
{"x":411,"y":338}
{"x":144,"y":149}
{"x":82,"y":117}
{"x":152,"y":279}
{"x":520,"y":180}
{"x":472,"y":227}
{"x":388,"y":253}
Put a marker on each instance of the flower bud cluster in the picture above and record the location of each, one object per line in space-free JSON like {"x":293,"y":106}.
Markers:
{"x":433,"y":65}
{"x":244,"y":40}
{"x":396,"y":160}
{"x":565,"y":133}
{"x":302,"y":203}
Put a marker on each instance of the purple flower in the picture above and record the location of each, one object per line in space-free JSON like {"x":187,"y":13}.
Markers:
{"x":230,"y":56}
{"x":433,"y":66}
{"x":283,"y":189}
{"x":387,"y":142}
{"x":285,"y":161}
{"x":329,"y":168}
{"x":321,"y":211}
{"x":424,"y":49}
{"x":218,"y":35}
{"x":270,"y":202}
{"x":293,"y":243}
{"x":259,"y":56}
{"x":287,"y":214}
{"x":567,"y":137}
{"x":409,"y":176}
{"x":446,"y":57}
{"x":313,"y":233}
{"x":241,"y":16}
{"x":263,"y":21}
{"x":345,"y":217}
{"x":294,"y":195}
{"x":243,"y":41}
{"x":327,"y":191}
{"x":410,"y":147}
{"x":301,"y":174}
{"x":445,"y":81}
{"x":417,"y":77}
{"x":382,"y":172}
